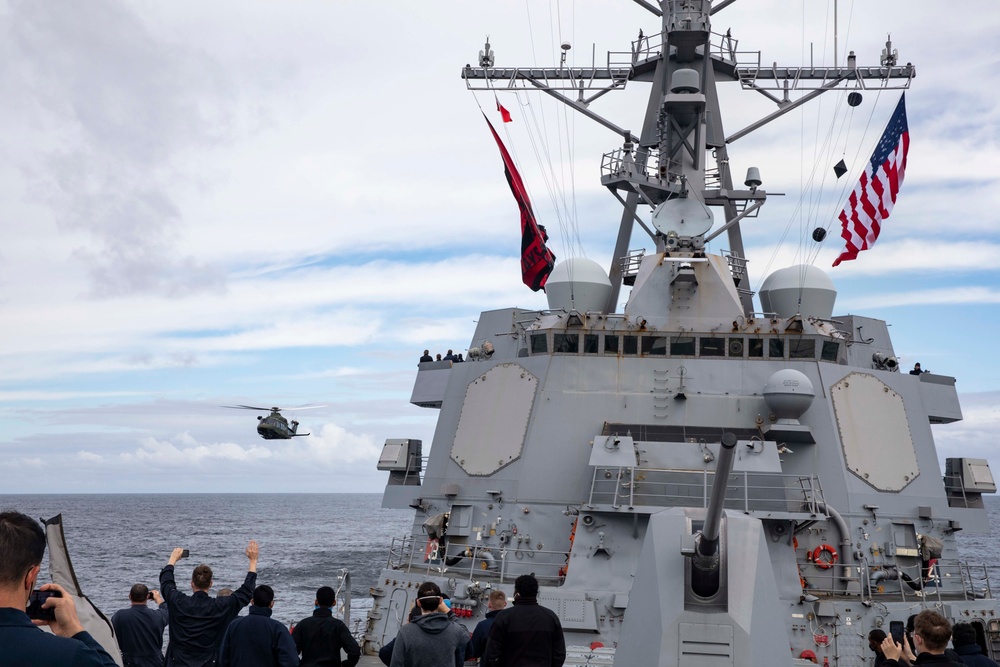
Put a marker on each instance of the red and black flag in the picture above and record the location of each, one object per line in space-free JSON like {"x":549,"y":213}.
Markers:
{"x":536,"y":259}
{"x":504,"y":114}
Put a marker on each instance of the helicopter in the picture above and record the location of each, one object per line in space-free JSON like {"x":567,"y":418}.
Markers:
{"x":274,"y":426}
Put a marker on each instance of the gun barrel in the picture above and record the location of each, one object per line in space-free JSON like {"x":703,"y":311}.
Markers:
{"x":706,"y":563}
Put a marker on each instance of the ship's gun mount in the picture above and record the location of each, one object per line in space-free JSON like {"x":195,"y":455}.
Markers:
{"x":706,"y":556}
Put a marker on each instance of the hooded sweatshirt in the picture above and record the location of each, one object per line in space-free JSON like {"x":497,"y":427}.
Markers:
{"x":433,"y":640}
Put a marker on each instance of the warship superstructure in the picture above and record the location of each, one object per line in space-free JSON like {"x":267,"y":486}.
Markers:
{"x":694,"y":480}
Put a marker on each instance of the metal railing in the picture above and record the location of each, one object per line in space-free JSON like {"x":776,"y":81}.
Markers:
{"x":749,"y":492}
{"x":471,"y":561}
{"x":947,"y":579}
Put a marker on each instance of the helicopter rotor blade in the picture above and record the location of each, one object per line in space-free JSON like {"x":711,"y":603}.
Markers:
{"x":303,"y":407}
{"x":247,"y":407}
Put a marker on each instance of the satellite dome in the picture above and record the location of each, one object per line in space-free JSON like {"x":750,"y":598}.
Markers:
{"x":788,"y":393}
{"x":578,"y":283}
{"x":801,"y":289}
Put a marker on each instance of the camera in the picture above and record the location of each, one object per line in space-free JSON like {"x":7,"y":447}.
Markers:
{"x":35,"y":603}
{"x":186,"y":553}
{"x":149,"y":595}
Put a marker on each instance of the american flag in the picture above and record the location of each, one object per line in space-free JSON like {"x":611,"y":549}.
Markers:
{"x":874,"y":196}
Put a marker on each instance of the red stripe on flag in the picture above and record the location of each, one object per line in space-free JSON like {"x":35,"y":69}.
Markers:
{"x":536,"y":259}
{"x":872,"y":200}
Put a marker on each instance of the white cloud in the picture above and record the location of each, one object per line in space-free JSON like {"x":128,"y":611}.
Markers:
{"x":197,"y":216}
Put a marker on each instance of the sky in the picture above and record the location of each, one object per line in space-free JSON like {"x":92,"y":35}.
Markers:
{"x":211,"y":204}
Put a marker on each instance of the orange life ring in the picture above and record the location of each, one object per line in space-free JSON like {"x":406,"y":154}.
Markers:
{"x":431,"y":552}
{"x":819,"y":561}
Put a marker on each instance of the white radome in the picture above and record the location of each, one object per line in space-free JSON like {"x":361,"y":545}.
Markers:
{"x":579,"y":284}
{"x":799,"y":290}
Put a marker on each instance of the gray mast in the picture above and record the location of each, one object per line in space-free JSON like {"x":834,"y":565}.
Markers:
{"x":668,"y":159}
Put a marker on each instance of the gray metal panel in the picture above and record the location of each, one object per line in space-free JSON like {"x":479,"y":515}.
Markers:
{"x":576,"y":611}
{"x":613,"y":450}
{"x":460,"y":521}
{"x":494,"y":419}
{"x":940,"y":398}
{"x":873,"y":430}
{"x":430,"y":384}
{"x":705,"y":645}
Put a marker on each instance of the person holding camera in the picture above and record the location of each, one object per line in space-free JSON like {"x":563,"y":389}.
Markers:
{"x":197,"y":621}
{"x":434,"y":639}
{"x":139,"y":629}
{"x":22,"y":545}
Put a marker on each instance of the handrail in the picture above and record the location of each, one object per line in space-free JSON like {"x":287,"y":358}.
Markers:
{"x":502,"y":563}
{"x":665,"y":487}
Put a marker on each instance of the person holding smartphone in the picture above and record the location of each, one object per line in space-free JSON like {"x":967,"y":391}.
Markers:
{"x":197,"y":621}
{"x":22,"y":545}
{"x":139,"y":629}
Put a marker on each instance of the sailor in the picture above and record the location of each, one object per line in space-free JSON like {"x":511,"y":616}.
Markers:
{"x":916,"y":370}
{"x":875,"y":639}
{"x":22,"y":545}
{"x":434,"y":639}
{"x":963,"y":636}
{"x":931,"y":632}
{"x":198,"y":622}
{"x":257,"y":640}
{"x":526,"y":635}
{"x":450,"y":356}
{"x":320,"y":637}
{"x":495,"y":604}
{"x":139,"y":629}
{"x":426,"y":357}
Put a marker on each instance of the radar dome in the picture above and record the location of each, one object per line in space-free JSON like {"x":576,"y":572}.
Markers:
{"x":788,"y":393}
{"x":580,"y":284}
{"x":798,"y":290}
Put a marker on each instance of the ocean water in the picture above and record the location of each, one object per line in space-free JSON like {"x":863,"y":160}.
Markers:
{"x":117,"y":540}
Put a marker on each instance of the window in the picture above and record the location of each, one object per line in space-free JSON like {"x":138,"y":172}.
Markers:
{"x":682,"y":345}
{"x":631,"y":345}
{"x":802,"y":348}
{"x":654,"y":345}
{"x":611,"y":344}
{"x":568,"y":343}
{"x":736,"y":347}
{"x":539,"y":344}
{"x":775,"y":348}
{"x":831,"y":350}
{"x":590,"y":343}
{"x":755,"y":347}
{"x":712,"y":347}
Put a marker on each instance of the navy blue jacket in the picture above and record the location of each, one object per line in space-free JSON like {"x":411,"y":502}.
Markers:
{"x":973,"y":656}
{"x":139,"y":631}
{"x":198,"y":622}
{"x":257,"y":640}
{"x":320,"y":637}
{"x":477,"y":645}
{"x":24,"y":645}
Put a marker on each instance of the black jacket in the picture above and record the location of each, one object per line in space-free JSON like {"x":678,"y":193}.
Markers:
{"x":927,"y":659}
{"x":319,"y":639}
{"x":526,"y":635}
{"x":257,"y":640}
{"x":139,"y":631}
{"x":198,"y":622}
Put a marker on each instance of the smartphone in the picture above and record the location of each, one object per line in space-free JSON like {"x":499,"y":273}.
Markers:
{"x":36,"y":601}
{"x":896,"y":631}
{"x":184,"y":555}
